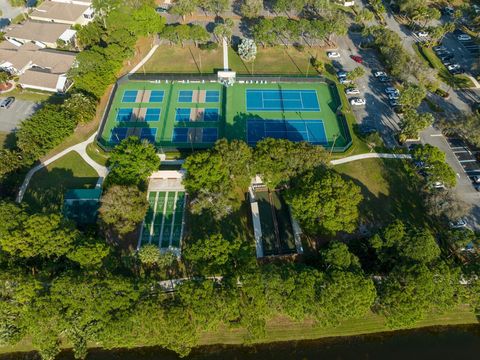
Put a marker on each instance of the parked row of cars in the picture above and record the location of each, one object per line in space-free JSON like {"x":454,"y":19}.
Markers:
{"x":351,"y":90}
{"x":448,"y":60}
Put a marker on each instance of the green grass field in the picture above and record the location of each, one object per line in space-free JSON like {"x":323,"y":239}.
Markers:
{"x":272,"y":60}
{"x":48,"y":186}
{"x":232,"y":113}
{"x":390,"y":188}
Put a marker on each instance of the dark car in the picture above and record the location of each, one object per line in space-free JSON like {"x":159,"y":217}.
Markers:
{"x":161,"y":10}
{"x":357,"y":58}
{"x":384,"y":79}
{"x":5,"y":104}
{"x":457,"y":71}
{"x":446,"y":57}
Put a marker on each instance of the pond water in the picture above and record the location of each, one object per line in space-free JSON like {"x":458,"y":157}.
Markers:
{"x":458,"y":343}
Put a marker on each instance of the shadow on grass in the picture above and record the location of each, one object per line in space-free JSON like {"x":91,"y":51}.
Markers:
{"x":47,"y":188}
{"x":398,"y":192}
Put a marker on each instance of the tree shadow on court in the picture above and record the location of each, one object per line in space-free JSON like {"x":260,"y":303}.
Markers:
{"x":47,"y":188}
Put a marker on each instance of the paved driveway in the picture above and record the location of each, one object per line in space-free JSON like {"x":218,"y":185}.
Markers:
{"x":20,"y":110}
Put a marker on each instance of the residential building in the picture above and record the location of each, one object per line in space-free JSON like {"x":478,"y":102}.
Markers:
{"x":37,"y":68}
{"x":63,"y":13}
{"x":44,"y":34}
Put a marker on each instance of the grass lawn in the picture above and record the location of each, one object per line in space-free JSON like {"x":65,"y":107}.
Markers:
{"x":282,"y":329}
{"x":47,"y":187}
{"x":98,"y":155}
{"x":427,"y":53}
{"x":189,"y":59}
{"x":390,"y":188}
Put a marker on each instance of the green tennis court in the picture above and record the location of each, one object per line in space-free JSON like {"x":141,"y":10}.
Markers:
{"x":183,"y":115}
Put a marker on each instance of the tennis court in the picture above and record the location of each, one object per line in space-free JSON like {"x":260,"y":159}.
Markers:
{"x":163,"y":223}
{"x":195,"y":115}
{"x":282,"y":100}
{"x":194,"y":135}
{"x":129,"y":96}
{"x":311,"y":131}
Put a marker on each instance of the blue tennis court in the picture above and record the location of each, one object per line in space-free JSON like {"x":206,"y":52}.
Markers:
{"x":182,"y":114}
{"x":156,"y":96}
{"x":152,"y":114}
{"x":210,"y":135}
{"x":148,"y":134}
{"x":129,"y":96}
{"x":124,"y":114}
{"x":212,"y":96}
{"x":210,"y":115}
{"x":312,"y":131}
{"x":180,"y":135}
{"x":185,"y":96}
{"x":282,"y":100}
{"x":118,"y":134}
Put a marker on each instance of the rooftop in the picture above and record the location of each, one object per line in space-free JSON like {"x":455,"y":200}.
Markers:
{"x":59,"y":11}
{"x":46,"y":32}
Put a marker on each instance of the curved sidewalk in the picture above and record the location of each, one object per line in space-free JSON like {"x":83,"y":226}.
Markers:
{"x":369,"y":156}
{"x":80,"y":148}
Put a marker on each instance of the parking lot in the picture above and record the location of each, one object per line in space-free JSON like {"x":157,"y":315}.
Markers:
{"x":465,"y":157}
{"x":12,"y":117}
{"x":466,"y":53}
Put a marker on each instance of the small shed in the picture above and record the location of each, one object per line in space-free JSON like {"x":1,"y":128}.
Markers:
{"x":81,"y":205}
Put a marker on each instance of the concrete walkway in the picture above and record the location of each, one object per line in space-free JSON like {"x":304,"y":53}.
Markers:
{"x":145,"y":59}
{"x":80,"y":148}
{"x":369,"y":156}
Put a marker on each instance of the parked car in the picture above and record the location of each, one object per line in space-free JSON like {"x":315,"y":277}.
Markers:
{"x":464,"y":37}
{"x":357,"y":101}
{"x":357,"y":58}
{"x":352,"y":91}
{"x":379,"y":73}
{"x":391,"y":90}
{"x":333,"y":54}
{"x":458,"y":71}
{"x":384,"y":79}
{"x":341,"y":74}
{"x":476,"y":179}
{"x":6,"y":103}
{"x":448,"y":10}
{"x":458,"y":224}
{"x":453,"y":67}
{"x":439,"y":48}
{"x":422,"y":34}
{"x":398,"y":109}
{"x":394,"y":102}
{"x":161,"y":10}
{"x":393,"y":96}
{"x":344,"y":81}
{"x":438,"y":185}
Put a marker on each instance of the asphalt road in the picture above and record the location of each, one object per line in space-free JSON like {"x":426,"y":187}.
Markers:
{"x":12,"y":117}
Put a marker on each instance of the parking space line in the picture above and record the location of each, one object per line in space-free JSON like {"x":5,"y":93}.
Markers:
{"x":470,"y":160}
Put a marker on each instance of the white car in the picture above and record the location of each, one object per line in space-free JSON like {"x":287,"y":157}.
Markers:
{"x":438,"y":185}
{"x":393,"y":96}
{"x":422,"y":34}
{"x":344,"y":81}
{"x":464,"y":37}
{"x":453,"y":67}
{"x":459,"y":224}
{"x":352,"y":91}
{"x":333,"y":54}
{"x":379,"y":73}
{"x":357,"y":101}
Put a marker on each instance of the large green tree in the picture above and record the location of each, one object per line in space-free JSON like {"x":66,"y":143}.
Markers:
{"x":323,"y":202}
{"x":132,"y":162}
{"x":122,"y":209}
